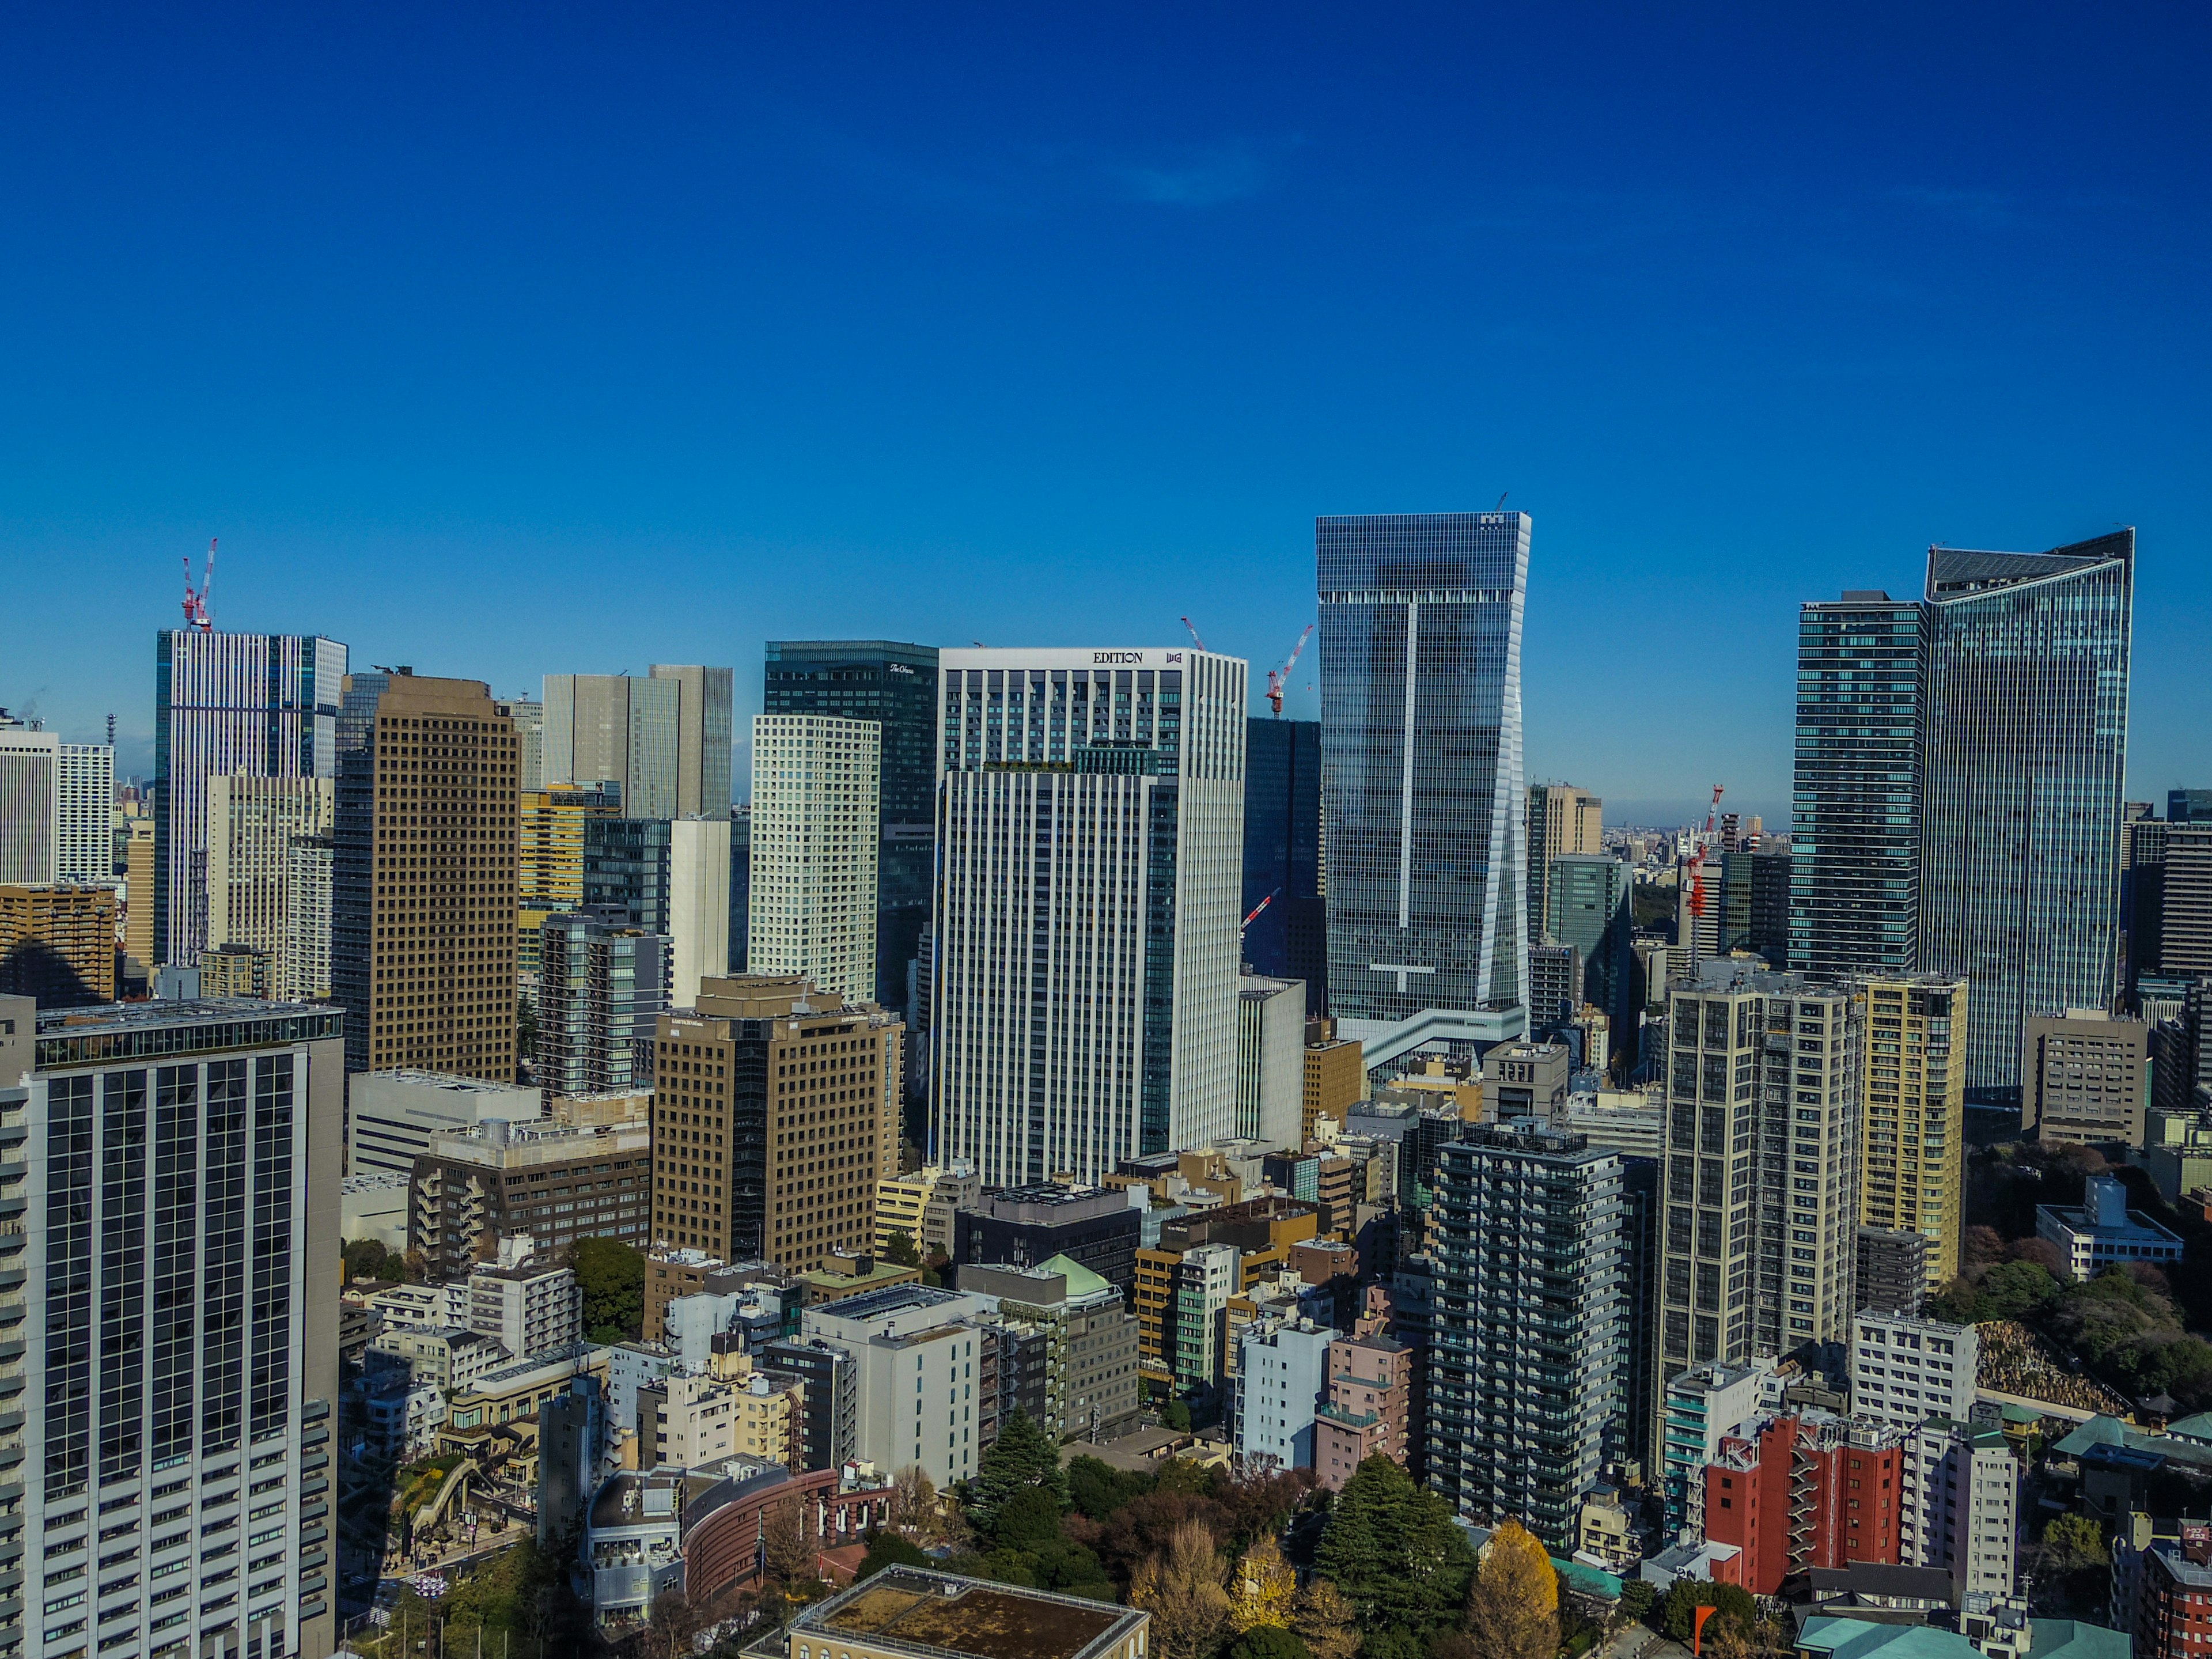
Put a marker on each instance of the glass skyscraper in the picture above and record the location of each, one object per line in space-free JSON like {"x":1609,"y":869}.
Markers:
{"x":1855,"y":832}
{"x":1421,"y":774}
{"x":2028,"y":740}
{"x":1289,"y":939}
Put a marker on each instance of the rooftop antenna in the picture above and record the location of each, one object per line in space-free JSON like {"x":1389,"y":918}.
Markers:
{"x":196,"y":598}
{"x":111,"y":731}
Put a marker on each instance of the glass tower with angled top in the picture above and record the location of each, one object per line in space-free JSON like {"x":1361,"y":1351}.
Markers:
{"x":1421,"y":776}
{"x":2027,"y":743}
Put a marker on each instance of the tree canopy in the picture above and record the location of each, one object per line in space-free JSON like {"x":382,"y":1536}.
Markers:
{"x":1393,"y":1550}
{"x":610,"y":1276}
{"x":1023,"y":1456}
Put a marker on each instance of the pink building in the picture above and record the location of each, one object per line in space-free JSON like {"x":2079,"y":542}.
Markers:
{"x":1370,"y":1392}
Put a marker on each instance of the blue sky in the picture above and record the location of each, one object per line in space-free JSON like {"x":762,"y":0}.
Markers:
{"x":507,"y":340}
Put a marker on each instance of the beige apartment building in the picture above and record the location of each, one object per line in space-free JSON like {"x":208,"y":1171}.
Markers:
{"x":1912,"y":1131}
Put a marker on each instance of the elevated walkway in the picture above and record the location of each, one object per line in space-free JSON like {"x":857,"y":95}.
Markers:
{"x":1383,"y":1041}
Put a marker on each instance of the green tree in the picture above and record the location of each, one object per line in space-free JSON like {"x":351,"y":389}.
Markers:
{"x":1176,"y":1415}
{"x":1097,"y":1489}
{"x":1636,"y":1597}
{"x":888,"y":1549}
{"x":1392,"y":1549}
{"x":2072,"y":1542}
{"x":1678,"y":1612}
{"x":365,"y":1259}
{"x":1030,"y":1520}
{"x":610,"y":1274}
{"x":1268,"y":1641}
{"x":899,"y":1251}
{"x":1024,"y":1455}
{"x":2014,"y":1288}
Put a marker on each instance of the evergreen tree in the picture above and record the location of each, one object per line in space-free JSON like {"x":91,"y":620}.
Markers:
{"x":1023,"y":1456}
{"x":1393,"y":1552}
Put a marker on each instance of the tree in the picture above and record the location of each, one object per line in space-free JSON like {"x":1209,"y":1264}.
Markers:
{"x":610,"y":1276}
{"x":787,"y":1551}
{"x":1678,"y":1612}
{"x":1393,"y":1550}
{"x":2012,"y":1288}
{"x":899,"y":1251}
{"x":1023,"y":1456}
{"x":1262,"y":1589}
{"x":914,"y":1503}
{"x":1267,"y":1641}
{"x":674,"y":1623}
{"x":1180,"y":1588}
{"x":365,"y":1259}
{"x":1176,"y":1415}
{"x":2072,"y":1542}
{"x":1513,"y":1610}
{"x":1097,"y":1489}
{"x":1322,"y":1620}
{"x":888,"y":1549}
{"x":1030,"y":1520}
{"x":1636,"y":1597}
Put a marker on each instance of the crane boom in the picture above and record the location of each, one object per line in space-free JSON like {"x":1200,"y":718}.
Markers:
{"x":1256,"y":908}
{"x":196,"y":598}
{"x":1195,"y":640}
{"x":1698,"y":858}
{"x":1276,"y":677}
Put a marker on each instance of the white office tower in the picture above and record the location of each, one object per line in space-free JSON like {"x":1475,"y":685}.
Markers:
{"x":1904,"y":1373}
{"x":84,"y":812}
{"x":170,"y":1441}
{"x":1090,"y":853}
{"x":29,"y":804}
{"x":1271,"y":1061}
{"x":252,"y":825}
{"x":816,"y":805}
{"x":698,"y":905}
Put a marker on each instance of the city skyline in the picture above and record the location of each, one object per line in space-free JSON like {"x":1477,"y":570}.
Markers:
{"x":444,"y":359}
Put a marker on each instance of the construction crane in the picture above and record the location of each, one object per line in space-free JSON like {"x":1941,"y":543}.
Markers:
{"x":1193,"y":626}
{"x":196,"y":598}
{"x":1698,"y":858}
{"x":1277,"y":676}
{"x":1256,"y":908}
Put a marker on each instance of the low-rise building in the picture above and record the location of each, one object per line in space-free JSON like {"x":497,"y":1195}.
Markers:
{"x":1281,"y":1370}
{"x":522,"y":1388}
{"x":1368,"y":1408}
{"x":921,"y":1205}
{"x":1096,"y":1226}
{"x":1085,"y":1347}
{"x":910,"y":1612}
{"x":529,"y":1305}
{"x":1812,"y":1490}
{"x":2101,"y":1231}
{"x":849,"y":1273}
{"x":374,"y":1207}
{"x":925,"y":1381}
{"x":450,"y":1358}
{"x":472,"y":1188}
{"x":391,"y":1116}
{"x":1605,"y":1532}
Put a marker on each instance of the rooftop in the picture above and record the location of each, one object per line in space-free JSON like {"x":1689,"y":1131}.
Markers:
{"x":2075,"y":1640}
{"x":932,"y":1612}
{"x":1861,"y":1638}
{"x":143,"y":1030}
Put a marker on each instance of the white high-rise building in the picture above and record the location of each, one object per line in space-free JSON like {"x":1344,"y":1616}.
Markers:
{"x":1904,"y":1373}
{"x":1271,"y":1061}
{"x":84,"y":812}
{"x":1090,"y":843}
{"x":698,"y":906}
{"x":253,"y":824}
{"x":816,"y":802}
{"x":29,"y":804}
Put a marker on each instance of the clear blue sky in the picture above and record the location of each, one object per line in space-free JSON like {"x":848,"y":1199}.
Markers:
{"x":545,"y":338}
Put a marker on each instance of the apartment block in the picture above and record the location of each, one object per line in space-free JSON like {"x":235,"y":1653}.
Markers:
{"x":922,"y":1205}
{"x":924,"y":1368}
{"x":1335,"y":1079}
{"x":474,"y":1188}
{"x":816,"y":801}
{"x":1906,"y":1372}
{"x":2085,"y":1077}
{"x":1368,"y":1411}
{"x":1913,"y":1134}
{"x":1282,"y":1368}
{"x":57,"y":943}
{"x":528,"y":1305}
{"x":1808,"y":1491}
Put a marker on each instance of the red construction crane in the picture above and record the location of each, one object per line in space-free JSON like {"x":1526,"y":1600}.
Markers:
{"x":1277,"y":676}
{"x":1698,"y":858}
{"x":1193,"y":626}
{"x":196,"y":599}
{"x":1261,"y":906}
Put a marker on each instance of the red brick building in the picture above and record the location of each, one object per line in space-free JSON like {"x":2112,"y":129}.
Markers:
{"x":1810,"y":1490}
{"x":2172,"y":1596}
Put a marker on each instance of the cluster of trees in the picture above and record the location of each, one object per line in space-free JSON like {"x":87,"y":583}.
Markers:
{"x":611,"y":1275}
{"x":519,"y":1604}
{"x":2123,"y":1326}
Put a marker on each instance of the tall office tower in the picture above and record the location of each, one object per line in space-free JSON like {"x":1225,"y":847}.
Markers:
{"x":253,"y":824}
{"x":1562,"y":819}
{"x":2189,"y":805}
{"x":2027,"y":741}
{"x":1288,"y":938}
{"x":620,"y":729}
{"x":1421,"y":779}
{"x":1528,"y":1355}
{"x":423,"y":882}
{"x":741,"y":885}
{"x":529,"y":717}
{"x":1912,"y":1137}
{"x":1588,"y":895}
{"x":57,"y":943}
{"x":1090,"y":819}
{"x":895,"y":685}
{"x":549,"y":868}
{"x":1271,"y":1062}
{"x":84,"y":810}
{"x":776,"y":1113}
{"x":30,"y":805}
{"x":601,"y":990}
{"x":698,"y":906}
{"x":702,"y":738}
{"x":1855,"y":834}
{"x":1754,"y":908}
{"x":2184,"y":934}
{"x":263,"y":704}
{"x":817,"y":786}
{"x":626,"y":863}
{"x":1760,"y":1205}
{"x":170,"y":1470}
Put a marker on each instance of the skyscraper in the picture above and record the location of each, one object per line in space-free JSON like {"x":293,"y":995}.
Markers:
{"x":84,"y":812}
{"x":703,"y":737}
{"x":252,"y":825}
{"x":1589,"y":910}
{"x":1855,"y":837}
{"x":2028,"y":739}
{"x":1091,"y":814}
{"x":1914,"y":1138}
{"x":664,"y":740}
{"x":1562,"y":819}
{"x":30,"y":813}
{"x":1421,"y":775}
{"x":601,"y":986}
{"x":550,"y":876}
{"x":263,"y":704}
{"x":698,"y":905}
{"x":816,"y":784}
{"x":423,"y":882}
{"x":1288,"y":940}
{"x":895,"y":685}
{"x":172,"y":1453}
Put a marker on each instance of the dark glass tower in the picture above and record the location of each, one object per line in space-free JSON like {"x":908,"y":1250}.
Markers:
{"x":896,"y":686}
{"x":1421,"y":773}
{"x":2027,"y":745}
{"x":1282,"y":855}
{"x":1854,"y":865}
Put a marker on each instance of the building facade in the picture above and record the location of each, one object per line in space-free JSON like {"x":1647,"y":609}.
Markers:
{"x":269,"y":863}
{"x":1562,"y":819}
{"x":2085,"y":1077}
{"x":472,"y":1188}
{"x":30,"y":805}
{"x":57,"y":943}
{"x":1855,"y":812}
{"x":1422,"y":783}
{"x":602,"y":989}
{"x":2028,"y":742}
{"x":1288,"y":938}
{"x":698,"y":906}
{"x":1904,"y":1373}
{"x":173,"y":1447}
{"x":550,"y":858}
{"x":1084,"y":991}
{"x":84,"y":814}
{"x":1912,"y":1137}
{"x":263,"y":704}
{"x":1271,"y":1027}
{"x":423,"y":882}
{"x":817,"y":789}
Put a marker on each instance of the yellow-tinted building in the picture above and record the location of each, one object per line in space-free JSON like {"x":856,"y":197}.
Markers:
{"x":1913,"y":1128}
{"x":1336,"y":1079}
{"x":1262,"y":1231}
{"x":57,"y":943}
{"x":550,"y":861}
